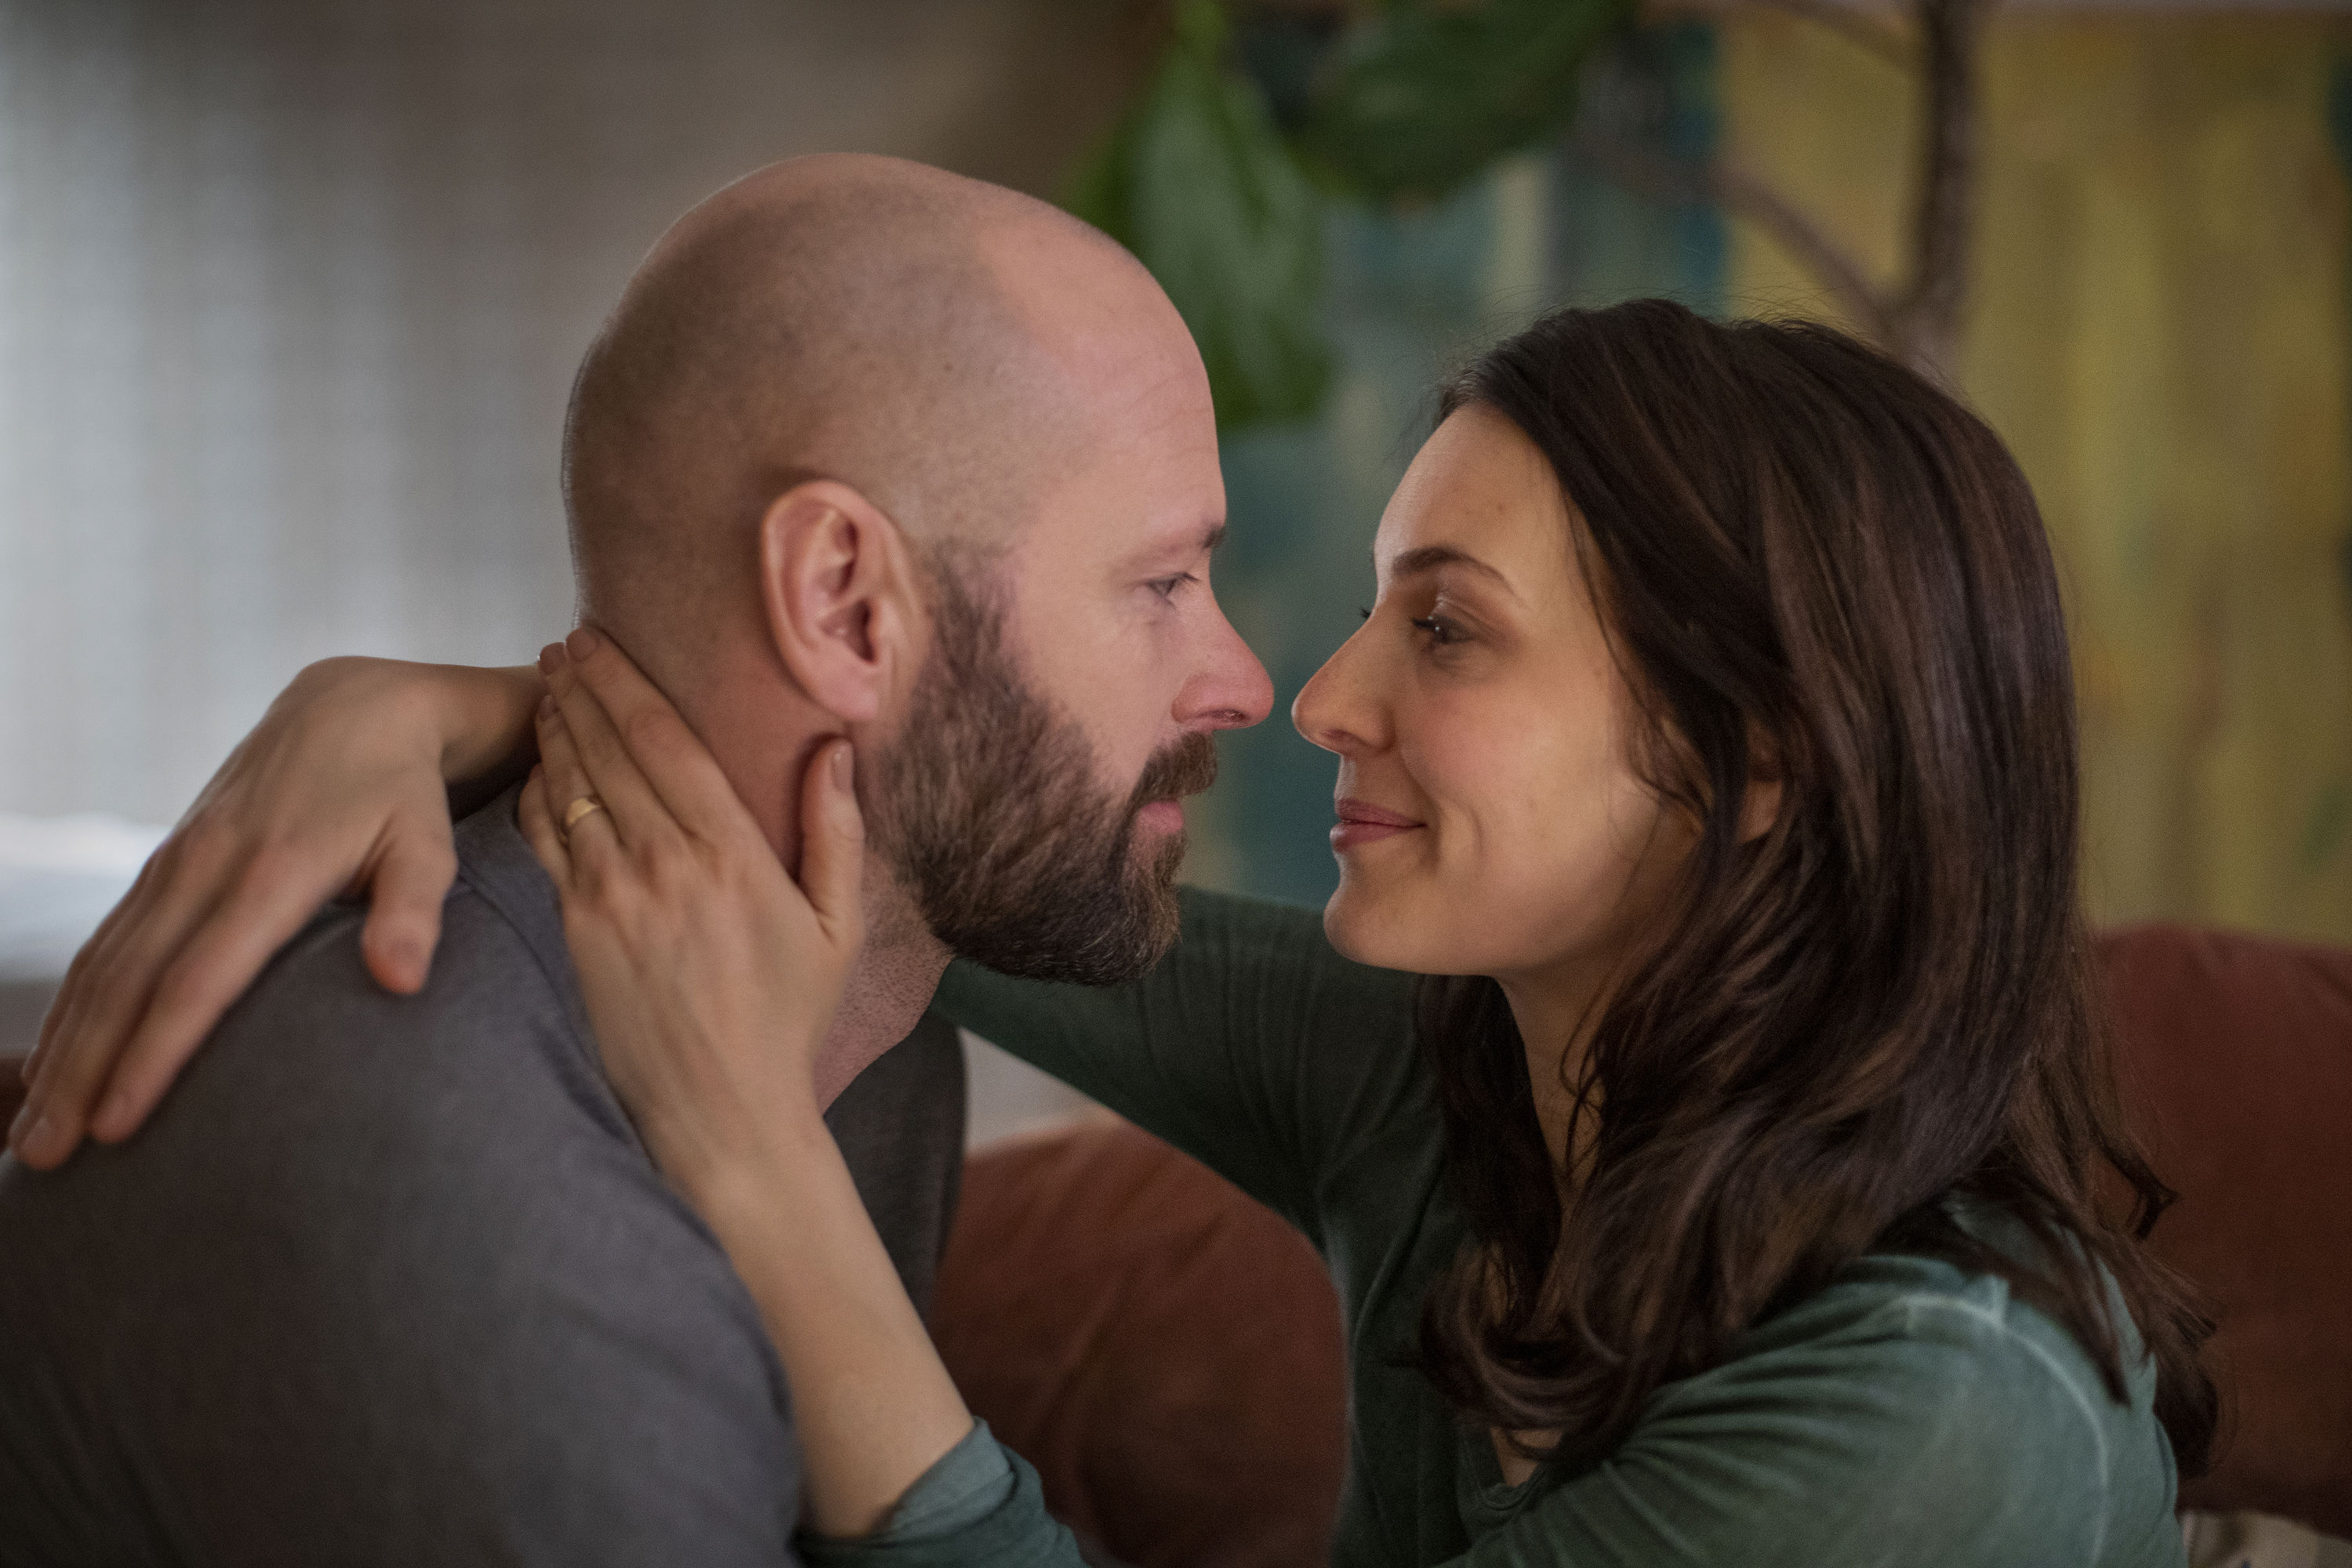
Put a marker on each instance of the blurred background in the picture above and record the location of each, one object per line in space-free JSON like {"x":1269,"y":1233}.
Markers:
{"x":291,"y":292}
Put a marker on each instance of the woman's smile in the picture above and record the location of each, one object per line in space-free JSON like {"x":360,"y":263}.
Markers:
{"x":1361,"y":823}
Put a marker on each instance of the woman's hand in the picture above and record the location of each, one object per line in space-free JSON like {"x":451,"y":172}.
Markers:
{"x":711,"y":979}
{"x":338,"y":791}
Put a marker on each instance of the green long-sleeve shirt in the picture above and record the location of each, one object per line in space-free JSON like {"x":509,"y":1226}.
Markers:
{"x":1909,"y":1413}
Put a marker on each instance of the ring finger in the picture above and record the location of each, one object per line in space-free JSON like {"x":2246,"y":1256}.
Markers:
{"x":579,"y":814}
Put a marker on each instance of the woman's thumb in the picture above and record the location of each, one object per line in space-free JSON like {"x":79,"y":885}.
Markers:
{"x":832,"y":840}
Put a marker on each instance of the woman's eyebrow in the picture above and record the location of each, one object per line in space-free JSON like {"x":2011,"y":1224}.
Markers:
{"x":1430,"y":557}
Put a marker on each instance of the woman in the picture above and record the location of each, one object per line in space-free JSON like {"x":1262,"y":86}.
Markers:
{"x":1730,"y":1188}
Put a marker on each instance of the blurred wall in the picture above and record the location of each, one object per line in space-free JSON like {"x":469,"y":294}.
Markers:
{"x":291,"y":292}
{"x":2160,"y":332}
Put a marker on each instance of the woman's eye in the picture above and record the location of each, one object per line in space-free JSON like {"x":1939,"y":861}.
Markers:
{"x":1440,"y":631}
{"x":1363,"y":611}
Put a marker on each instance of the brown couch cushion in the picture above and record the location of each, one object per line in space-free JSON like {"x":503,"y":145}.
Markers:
{"x":12,"y":1091}
{"x":2238,"y":1053}
{"x":1163,"y":1350}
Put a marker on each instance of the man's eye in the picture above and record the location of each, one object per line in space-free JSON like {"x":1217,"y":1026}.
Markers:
{"x":1440,"y":631}
{"x":1166,"y":587}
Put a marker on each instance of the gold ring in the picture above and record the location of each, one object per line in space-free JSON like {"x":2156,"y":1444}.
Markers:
{"x":586,"y":805}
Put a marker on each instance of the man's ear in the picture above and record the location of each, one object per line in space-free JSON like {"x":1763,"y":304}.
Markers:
{"x":836,"y":584}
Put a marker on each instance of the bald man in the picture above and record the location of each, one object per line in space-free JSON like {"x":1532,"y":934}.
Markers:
{"x":865,"y":448}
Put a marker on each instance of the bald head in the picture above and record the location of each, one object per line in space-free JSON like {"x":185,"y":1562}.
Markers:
{"x":925,"y":339}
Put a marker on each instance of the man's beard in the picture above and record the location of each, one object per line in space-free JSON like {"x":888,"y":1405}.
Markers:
{"x":987,"y":809}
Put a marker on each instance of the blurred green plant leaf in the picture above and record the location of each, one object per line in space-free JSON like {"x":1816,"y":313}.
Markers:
{"x":1425,"y":95}
{"x":1198,"y":182}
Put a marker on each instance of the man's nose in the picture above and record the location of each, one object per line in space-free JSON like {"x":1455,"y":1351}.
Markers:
{"x":1232,"y":692}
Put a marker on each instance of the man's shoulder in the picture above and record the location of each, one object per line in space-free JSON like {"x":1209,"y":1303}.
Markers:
{"x":494,"y":1041}
{"x":489,"y":1041}
{"x":326,"y":1105}
{"x":394,"y":1270}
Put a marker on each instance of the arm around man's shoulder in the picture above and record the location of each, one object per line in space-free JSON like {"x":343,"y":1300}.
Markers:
{"x":387,"y":1279}
{"x":1252,"y":1046}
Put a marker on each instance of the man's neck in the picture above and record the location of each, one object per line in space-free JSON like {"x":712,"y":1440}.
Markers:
{"x":890,"y":988}
{"x":763,"y":735}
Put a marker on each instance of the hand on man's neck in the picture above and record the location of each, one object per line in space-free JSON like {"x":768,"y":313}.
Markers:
{"x":763,"y":733}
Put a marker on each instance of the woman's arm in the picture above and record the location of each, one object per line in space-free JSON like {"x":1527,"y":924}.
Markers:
{"x":710,"y":980}
{"x":338,"y":791}
{"x":1253,"y":1046}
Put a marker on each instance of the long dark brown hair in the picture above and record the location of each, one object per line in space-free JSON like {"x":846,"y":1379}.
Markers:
{"x":1808,"y":556}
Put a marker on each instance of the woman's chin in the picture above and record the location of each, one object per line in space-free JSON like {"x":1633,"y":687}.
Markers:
{"x":1361,"y":930}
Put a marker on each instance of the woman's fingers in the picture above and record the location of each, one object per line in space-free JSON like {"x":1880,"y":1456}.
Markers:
{"x":208,"y":963}
{"x":833,"y":842}
{"x":338,"y":790}
{"x":205,"y":974}
{"x":626,"y":711}
{"x":537,"y":819}
{"x":63,"y":1005}
{"x":565,"y":781}
{"x":589,"y":760}
{"x":412,"y":880}
{"x":92,"y":1020}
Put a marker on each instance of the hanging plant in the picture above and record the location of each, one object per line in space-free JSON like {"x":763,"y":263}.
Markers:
{"x":1410,"y":99}
{"x":1199,"y":183}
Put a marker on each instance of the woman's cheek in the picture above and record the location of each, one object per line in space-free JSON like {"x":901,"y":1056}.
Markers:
{"x":1464,"y":882}
{"x":1527,"y":860}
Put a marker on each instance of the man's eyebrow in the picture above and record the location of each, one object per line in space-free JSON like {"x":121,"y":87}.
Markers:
{"x":1430,"y":557}
{"x":1168,"y":548}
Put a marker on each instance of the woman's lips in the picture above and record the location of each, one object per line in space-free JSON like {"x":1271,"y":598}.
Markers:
{"x":1361,"y":823}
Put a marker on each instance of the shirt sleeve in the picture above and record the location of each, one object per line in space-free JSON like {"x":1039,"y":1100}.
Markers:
{"x":1252,"y":1046}
{"x":1924,"y":1430}
{"x":979,"y":1506}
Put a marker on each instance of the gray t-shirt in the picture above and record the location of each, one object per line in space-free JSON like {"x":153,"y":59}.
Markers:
{"x":390,"y":1279}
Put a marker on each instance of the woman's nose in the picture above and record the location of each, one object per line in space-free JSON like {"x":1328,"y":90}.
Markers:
{"x":1335,"y":709}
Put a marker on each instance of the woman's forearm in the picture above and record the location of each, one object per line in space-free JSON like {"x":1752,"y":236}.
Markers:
{"x":488,"y":738}
{"x":488,"y":723}
{"x":474,"y":724}
{"x":710,"y":978}
{"x":872,"y":1404}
